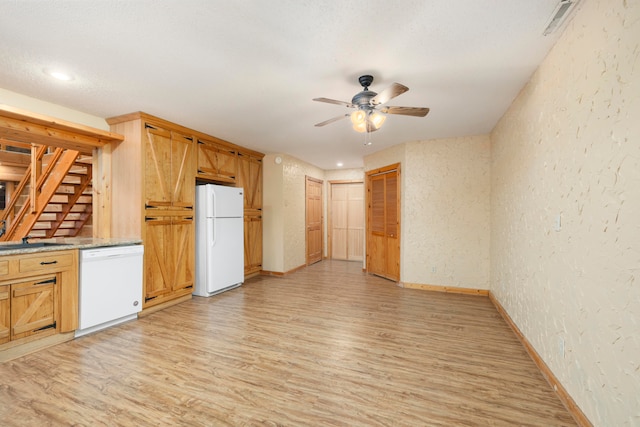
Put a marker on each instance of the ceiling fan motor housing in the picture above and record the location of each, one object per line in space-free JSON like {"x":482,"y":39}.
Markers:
{"x":363,"y":99}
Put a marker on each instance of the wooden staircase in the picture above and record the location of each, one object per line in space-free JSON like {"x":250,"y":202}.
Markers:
{"x":59,"y":204}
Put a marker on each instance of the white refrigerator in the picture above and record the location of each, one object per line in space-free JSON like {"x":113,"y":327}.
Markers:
{"x":219,"y":239}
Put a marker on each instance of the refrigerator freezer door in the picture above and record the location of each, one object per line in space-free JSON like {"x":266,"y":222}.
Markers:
{"x":225,"y":202}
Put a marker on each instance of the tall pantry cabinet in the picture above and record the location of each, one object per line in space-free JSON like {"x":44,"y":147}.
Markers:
{"x":151,"y":193}
{"x":153,"y":196}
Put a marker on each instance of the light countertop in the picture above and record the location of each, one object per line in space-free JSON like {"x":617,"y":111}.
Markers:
{"x":64,"y":243}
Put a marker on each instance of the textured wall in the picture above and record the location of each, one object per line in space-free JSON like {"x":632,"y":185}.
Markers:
{"x":284,"y":240}
{"x":293,"y":209}
{"x":272,"y":215}
{"x":344,"y":175}
{"x":445,"y":197}
{"x":446,"y":212}
{"x":570,"y":146}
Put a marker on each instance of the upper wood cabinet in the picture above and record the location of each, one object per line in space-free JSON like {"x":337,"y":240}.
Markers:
{"x":216,"y":162}
{"x":169,"y":175}
{"x":250,"y":178}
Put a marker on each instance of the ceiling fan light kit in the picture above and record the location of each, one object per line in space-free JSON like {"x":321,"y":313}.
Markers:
{"x":367,"y":117}
{"x":367,"y":121}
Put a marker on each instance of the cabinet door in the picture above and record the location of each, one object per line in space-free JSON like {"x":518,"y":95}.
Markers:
{"x":157,"y":172}
{"x":183,"y":175}
{"x":158,"y":271}
{"x":250,"y":178}
{"x":5,"y":313}
{"x":33,"y":307}
{"x":216,"y":163}
{"x":169,"y":256}
{"x":169,"y":171}
{"x":252,"y":244}
{"x":183,"y":253}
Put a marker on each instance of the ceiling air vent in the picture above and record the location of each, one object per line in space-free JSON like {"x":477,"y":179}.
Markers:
{"x":559,"y":15}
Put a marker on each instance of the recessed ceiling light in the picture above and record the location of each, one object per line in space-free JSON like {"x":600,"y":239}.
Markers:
{"x":339,"y":164}
{"x":59,"y":74}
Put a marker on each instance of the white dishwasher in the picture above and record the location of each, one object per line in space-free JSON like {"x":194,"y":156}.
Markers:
{"x":110,"y":286}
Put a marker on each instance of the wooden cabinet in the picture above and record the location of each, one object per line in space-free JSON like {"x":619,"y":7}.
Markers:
{"x":169,"y":257}
{"x":33,"y":308}
{"x":252,"y":243}
{"x":155,"y":202}
{"x":250,"y":178}
{"x":151,"y":186}
{"x":216,"y":161}
{"x":168,"y":180}
{"x":38,"y":297}
{"x":5,"y":313}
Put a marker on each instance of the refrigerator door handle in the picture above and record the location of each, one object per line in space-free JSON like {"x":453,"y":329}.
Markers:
{"x":213,"y":232}
{"x":210,"y":207}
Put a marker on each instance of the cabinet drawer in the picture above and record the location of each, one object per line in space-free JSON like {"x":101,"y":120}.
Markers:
{"x":46,"y":262}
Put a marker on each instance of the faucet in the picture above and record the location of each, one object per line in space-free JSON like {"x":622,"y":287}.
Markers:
{"x":25,"y":240}
{"x":3,"y":227}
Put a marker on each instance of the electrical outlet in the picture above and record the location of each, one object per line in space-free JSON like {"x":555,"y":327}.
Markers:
{"x":433,"y":269}
{"x":561,"y":347}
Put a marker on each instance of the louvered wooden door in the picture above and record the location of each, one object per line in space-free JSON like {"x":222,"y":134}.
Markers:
{"x":383,"y":222}
{"x":314,"y":220}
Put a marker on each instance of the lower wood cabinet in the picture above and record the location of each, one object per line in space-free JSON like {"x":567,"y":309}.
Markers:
{"x":168,"y":258}
{"x":252,"y":243}
{"x":5,"y":313}
{"x":38,"y":296}
{"x":33,"y":307}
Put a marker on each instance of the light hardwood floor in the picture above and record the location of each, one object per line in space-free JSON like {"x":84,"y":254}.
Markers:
{"x":327,"y":345}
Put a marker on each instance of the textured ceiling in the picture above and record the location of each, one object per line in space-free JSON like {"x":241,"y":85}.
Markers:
{"x":247,"y":70}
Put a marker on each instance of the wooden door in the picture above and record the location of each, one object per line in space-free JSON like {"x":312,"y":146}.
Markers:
{"x":183,"y":174}
{"x":347,"y":221}
{"x":216,"y":162}
{"x":252,"y":243}
{"x":314,"y":220}
{"x":169,"y":169}
{"x":157,"y":179}
{"x":182,"y":253}
{"x":383,"y":222}
{"x":250,"y":178}
{"x":33,"y":307}
{"x":5,"y":313}
{"x":169,"y":256}
{"x":158,"y":270}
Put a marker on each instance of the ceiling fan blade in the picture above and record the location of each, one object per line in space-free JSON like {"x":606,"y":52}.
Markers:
{"x":389,"y":93}
{"x":334,"y":101}
{"x":406,"y":111}
{"x":335,"y":119}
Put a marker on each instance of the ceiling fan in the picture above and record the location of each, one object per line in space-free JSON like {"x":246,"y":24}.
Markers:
{"x":368,"y":105}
